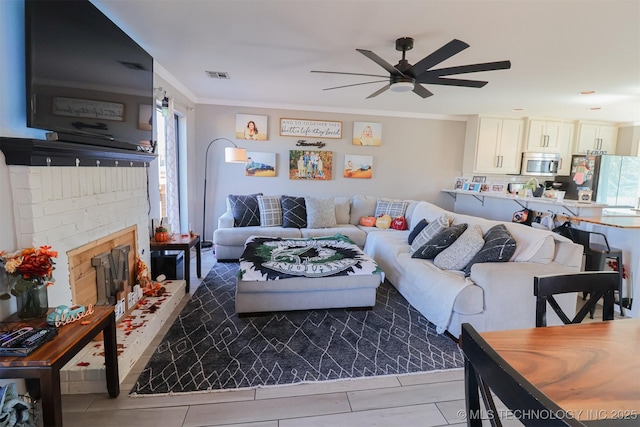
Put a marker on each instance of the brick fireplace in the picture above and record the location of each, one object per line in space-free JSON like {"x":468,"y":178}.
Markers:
{"x":67,"y":207}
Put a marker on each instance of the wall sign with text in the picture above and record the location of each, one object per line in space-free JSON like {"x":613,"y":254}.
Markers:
{"x":311,"y":128}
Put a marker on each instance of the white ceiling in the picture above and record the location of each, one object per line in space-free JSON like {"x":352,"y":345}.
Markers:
{"x":557,"y":49}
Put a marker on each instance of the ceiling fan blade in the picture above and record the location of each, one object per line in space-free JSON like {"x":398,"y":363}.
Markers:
{"x":421,"y":91}
{"x":381,"y":62}
{"x":356,"y":84}
{"x":379,"y":91}
{"x":349,"y":74}
{"x":454,"y":47}
{"x":473,"y":68}
{"x":451,"y":82}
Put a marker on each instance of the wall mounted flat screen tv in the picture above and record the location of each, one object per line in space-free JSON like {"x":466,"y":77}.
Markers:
{"x":87,"y":81}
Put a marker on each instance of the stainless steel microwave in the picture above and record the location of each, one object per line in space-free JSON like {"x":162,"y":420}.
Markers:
{"x":540,"y":164}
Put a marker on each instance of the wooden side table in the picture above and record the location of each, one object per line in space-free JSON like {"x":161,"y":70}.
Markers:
{"x":182,"y":243}
{"x":41,"y":369}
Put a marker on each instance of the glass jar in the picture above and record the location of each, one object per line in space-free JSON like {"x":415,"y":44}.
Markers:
{"x":31,"y":298}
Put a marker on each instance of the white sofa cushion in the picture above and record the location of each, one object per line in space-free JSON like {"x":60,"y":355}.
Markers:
{"x":343,"y":209}
{"x":361,"y":206}
{"x":427,"y":211}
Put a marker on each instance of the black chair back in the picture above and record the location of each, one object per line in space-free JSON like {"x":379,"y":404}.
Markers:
{"x":599,"y":284}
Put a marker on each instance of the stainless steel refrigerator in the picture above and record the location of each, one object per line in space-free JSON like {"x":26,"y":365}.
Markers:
{"x":612,"y":180}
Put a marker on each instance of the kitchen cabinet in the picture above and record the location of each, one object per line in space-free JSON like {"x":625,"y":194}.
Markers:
{"x":552,"y":136}
{"x":493,"y":145}
{"x":597,"y":137}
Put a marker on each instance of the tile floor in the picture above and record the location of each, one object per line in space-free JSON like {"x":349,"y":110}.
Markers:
{"x":429,"y":399}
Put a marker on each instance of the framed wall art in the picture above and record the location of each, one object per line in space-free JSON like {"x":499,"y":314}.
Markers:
{"x":260,"y":164}
{"x":367,"y":133}
{"x":311,"y":128}
{"x":251,"y":126}
{"x":310,"y":165}
{"x":358,"y":166}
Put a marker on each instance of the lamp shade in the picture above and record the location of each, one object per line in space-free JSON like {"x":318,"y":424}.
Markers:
{"x":235,"y":155}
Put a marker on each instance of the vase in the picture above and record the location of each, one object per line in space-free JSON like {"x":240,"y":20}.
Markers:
{"x":32,"y":302}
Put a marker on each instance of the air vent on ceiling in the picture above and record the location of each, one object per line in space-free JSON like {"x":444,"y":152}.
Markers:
{"x":133,"y":65}
{"x":218,"y":75}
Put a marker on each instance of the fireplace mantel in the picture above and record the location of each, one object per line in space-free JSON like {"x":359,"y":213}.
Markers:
{"x":37,"y":152}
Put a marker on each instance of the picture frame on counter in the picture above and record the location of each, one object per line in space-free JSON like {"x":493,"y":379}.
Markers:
{"x":475,"y":187}
{"x":479,"y":178}
{"x":459,"y":183}
{"x":498,"y":187}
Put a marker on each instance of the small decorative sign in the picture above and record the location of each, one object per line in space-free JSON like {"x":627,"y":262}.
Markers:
{"x":311,"y":128}
{"x":102,"y":110}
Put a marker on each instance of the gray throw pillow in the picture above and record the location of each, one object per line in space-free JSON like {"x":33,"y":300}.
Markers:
{"x":270,"y":211}
{"x":393,"y":208}
{"x":294,"y":212}
{"x":427,"y":233}
{"x":499,"y":246}
{"x":361,"y":206}
{"x":245,"y":209}
{"x":456,"y":256}
{"x":440,"y":242}
{"x":416,"y":230}
{"x":321,"y":213}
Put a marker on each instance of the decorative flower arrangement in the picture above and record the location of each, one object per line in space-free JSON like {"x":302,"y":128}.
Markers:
{"x":30,"y":273}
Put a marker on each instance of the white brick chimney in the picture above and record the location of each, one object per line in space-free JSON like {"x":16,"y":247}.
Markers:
{"x":67,"y":207}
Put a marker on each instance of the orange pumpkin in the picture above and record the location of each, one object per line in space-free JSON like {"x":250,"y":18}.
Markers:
{"x":368,"y":221}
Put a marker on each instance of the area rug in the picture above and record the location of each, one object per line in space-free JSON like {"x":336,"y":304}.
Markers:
{"x":209,"y":347}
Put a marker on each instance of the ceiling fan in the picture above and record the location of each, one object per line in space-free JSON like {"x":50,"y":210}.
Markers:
{"x":404,"y":77}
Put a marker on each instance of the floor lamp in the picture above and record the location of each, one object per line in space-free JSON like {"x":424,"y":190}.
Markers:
{"x":231,"y":155}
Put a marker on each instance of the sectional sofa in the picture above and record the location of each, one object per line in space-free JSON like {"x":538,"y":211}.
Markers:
{"x":489,"y":295}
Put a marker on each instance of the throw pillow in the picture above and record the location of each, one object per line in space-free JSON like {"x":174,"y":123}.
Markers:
{"x":245,"y":209}
{"x":321,"y":213}
{"x":440,"y":242}
{"x":499,"y":246}
{"x":458,"y":255}
{"x":393,"y":208}
{"x":294,"y":212}
{"x":427,"y":233}
{"x":270,"y":211}
{"x":416,"y":230}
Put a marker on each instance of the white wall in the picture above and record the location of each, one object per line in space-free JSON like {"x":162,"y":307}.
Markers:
{"x":417,"y":159}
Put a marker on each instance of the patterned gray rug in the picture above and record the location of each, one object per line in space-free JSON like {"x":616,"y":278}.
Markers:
{"x":209,"y":347}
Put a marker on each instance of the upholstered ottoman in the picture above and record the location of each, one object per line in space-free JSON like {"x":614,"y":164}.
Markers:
{"x":279,"y":274}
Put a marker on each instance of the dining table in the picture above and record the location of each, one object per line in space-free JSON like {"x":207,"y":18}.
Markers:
{"x":571,"y":375}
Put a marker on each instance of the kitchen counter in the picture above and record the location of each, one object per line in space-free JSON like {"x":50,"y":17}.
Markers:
{"x":616,"y":220}
{"x":573,"y":206}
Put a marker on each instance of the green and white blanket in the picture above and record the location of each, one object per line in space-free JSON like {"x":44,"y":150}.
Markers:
{"x":273,"y":258}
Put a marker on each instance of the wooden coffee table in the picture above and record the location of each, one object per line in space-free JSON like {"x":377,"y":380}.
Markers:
{"x":41,"y":369}
{"x":182,"y":243}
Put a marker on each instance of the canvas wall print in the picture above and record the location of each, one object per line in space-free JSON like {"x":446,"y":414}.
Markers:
{"x":310,"y":165}
{"x":251,"y":126}
{"x":358,"y":166}
{"x":367,"y":133}
{"x":260,"y":164}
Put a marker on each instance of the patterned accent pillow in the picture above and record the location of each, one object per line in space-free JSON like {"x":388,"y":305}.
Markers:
{"x":427,"y":233}
{"x":440,"y":242}
{"x":270,"y":211}
{"x":499,"y":246}
{"x":416,"y":230}
{"x":321,"y":213}
{"x":245,"y":209}
{"x":294,"y":212}
{"x":456,"y":256}
{"x":393,"y":208}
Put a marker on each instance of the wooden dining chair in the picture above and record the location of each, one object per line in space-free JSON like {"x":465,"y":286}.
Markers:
{"x":599,"y":284}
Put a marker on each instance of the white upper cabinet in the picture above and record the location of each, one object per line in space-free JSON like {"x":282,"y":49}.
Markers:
{"x":495,"y":145}
{"x":597,"y":137}
{"x":551,"y":136}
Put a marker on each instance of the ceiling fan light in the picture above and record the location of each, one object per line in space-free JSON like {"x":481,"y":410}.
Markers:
{"x":402,"y":87}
